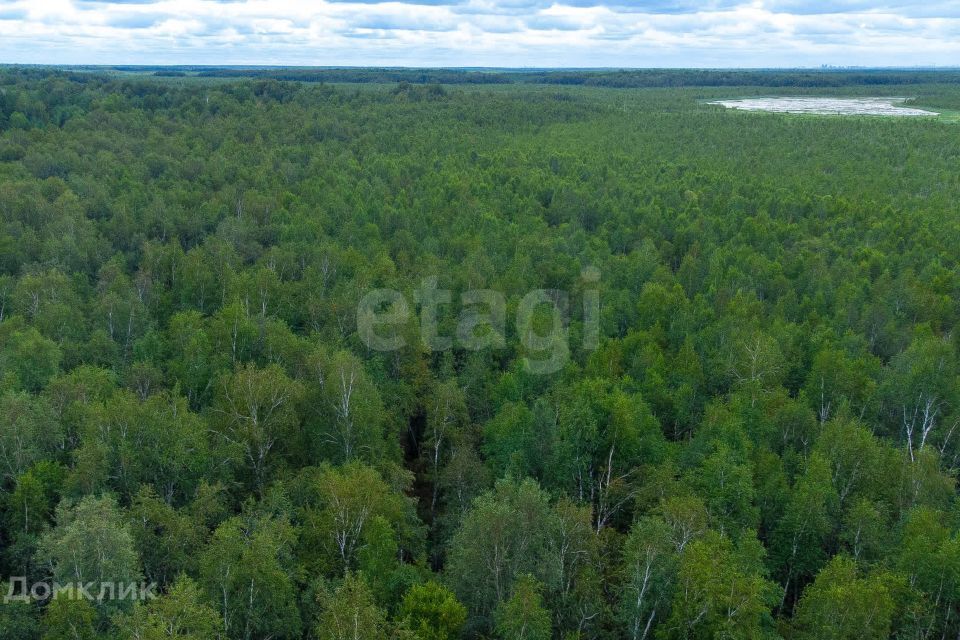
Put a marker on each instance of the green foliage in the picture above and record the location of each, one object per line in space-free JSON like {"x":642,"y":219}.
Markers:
{"x":166,"y":538}
{"x":804,"y":530}
{"x":432,"y":612}
{"x":345,"y":510}
{"x":179,"y":613}
{"x":156,"y":441}
{"x":29,"y":511}
{"x":649,"y":567}
{"x":30,"y":433}
{"x":764,"y":441}
{"x":348,"y":424}
{"x":720,"y":592}
{"x":69,"y":619}
{"x":29,"y":357}
{"x":246,"y":571}
{"x":18,"y":621}
{"x":840,"y":604}
{"x":504,"y":536}
{"x":523,"y":616}
{"x":349,"y":612}
{"x":92,"y":544}
{"x":255,"y":416}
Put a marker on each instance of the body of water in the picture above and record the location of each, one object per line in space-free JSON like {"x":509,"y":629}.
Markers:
{"x":827,"y":106}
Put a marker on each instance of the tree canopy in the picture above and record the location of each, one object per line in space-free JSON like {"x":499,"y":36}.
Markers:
{"x":752,"y":429}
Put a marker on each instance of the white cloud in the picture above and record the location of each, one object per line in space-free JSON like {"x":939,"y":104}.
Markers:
{"x":481,"y":32}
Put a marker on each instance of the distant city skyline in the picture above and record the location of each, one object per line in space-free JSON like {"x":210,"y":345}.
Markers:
{"x":482,"y":33}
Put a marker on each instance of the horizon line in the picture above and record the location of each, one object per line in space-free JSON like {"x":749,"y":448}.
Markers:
{"x":823,"y":67}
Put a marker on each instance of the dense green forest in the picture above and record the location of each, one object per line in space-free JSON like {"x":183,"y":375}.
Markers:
{"x":763,"y":444}
{"x":622,"y":78}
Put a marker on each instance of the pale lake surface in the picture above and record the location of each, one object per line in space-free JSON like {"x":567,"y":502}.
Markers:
{"x":827,"y":106}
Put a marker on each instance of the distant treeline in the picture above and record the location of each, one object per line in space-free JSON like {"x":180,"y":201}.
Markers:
{"x":624,"y":78}
{"x":599,"y":78}
{"x":413,"y":76}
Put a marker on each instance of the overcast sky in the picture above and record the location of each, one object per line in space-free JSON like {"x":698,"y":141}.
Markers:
{"x":501,"y":33}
